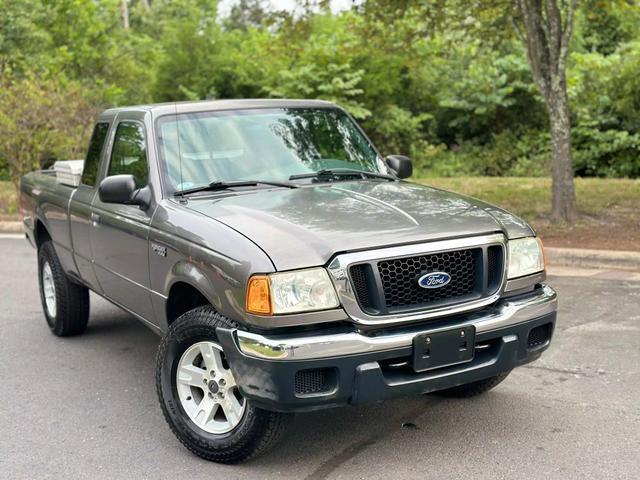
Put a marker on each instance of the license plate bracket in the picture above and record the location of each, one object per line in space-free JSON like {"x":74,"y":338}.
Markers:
{"x":443,"y":348}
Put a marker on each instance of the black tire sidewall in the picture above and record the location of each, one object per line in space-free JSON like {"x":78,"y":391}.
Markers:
{"x":72,"y":299}
{"x":174,"y":350}
{"x":46,"y":254}
{"x":247,"y":437}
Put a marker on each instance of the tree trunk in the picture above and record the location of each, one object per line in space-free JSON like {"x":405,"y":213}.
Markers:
{"x":124,"y":12}
{"x":546,"y":37}
{"x":563,"y":206}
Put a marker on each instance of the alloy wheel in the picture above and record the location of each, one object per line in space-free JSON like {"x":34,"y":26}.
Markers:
{"x":207,"y":389}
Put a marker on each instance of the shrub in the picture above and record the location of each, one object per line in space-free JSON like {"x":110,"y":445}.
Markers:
{"x":42,"y":120}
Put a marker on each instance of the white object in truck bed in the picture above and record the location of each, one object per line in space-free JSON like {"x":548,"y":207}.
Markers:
{"x":68,"y":172}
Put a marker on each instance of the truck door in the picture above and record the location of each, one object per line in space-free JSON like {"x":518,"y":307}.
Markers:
{"x":80,"y":206}
{"x":120,"y":233}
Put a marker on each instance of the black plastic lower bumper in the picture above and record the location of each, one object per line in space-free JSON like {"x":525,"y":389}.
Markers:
{"x":285,"y":386}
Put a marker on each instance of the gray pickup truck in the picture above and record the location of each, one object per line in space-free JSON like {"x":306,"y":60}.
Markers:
{"x":286,"y":265}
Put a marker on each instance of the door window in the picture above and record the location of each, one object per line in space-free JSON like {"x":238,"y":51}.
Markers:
{"x":90,"y":170}
{"x":129,"y":154}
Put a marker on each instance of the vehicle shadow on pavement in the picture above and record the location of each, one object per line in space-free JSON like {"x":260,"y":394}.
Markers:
{"x":403,"y":428}
{"x":116,"y":326}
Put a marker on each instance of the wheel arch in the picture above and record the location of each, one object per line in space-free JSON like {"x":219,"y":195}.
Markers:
{"x":41,"y":233}
{"x":182,"y":297}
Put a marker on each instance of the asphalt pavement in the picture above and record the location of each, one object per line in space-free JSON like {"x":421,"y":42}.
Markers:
{"x":86,"y":407}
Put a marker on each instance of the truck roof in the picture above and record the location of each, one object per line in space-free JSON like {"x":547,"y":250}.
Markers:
{"x":212,"y":105}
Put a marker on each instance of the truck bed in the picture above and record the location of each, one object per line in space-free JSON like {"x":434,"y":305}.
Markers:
{"x":42,"y":196}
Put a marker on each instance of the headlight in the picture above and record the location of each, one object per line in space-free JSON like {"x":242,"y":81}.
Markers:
{"x":525,"y":257}
{"x":291,"y":292}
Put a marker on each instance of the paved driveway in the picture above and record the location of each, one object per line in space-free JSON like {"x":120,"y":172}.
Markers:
{"x":86,"y":407}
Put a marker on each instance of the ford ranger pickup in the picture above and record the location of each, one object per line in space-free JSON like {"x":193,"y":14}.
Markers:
{"x":287,"y":265}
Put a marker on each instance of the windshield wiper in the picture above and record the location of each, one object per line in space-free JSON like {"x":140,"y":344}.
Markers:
{"x":333,"y":172}
{"x":213,"y":186}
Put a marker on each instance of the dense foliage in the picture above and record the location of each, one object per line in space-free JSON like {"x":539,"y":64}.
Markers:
{"x":418,"y":75}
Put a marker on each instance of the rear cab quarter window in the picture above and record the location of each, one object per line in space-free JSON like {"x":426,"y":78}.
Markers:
{"x":92,"y":160}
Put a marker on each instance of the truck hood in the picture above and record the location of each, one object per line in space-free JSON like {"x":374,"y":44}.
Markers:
{"x":306,"y":226}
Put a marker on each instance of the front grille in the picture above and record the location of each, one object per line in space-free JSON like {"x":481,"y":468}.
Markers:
{"x":314,"y":381}
{"x":391,"y":285}
{"x":400,"y":277}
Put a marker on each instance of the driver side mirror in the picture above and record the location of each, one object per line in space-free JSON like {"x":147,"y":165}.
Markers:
{"x":122,"y":189}
{"x":401,"y":165}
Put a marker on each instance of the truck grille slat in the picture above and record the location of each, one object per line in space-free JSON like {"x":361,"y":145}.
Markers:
{"x":361,"y":281}
{"x":495,"y":266}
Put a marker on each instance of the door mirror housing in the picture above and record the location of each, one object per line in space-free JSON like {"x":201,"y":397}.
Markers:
{"x":117,"y":189}
{"x":122,"y":189}
{"x":401,"y":165}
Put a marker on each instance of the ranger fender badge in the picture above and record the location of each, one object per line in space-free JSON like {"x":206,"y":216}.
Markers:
{"x":434,"y":280}
{"x":159,"y":249}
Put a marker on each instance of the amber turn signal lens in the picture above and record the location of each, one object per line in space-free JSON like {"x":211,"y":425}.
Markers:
{"x":544,"y":254}
{"x":258,"y":297}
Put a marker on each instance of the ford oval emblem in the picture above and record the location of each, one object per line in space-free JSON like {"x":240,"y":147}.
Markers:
{"x":434,"y":280}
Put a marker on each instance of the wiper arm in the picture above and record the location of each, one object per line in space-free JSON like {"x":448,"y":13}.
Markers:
{"x":332,"y":172}
{"x":213,"y":186}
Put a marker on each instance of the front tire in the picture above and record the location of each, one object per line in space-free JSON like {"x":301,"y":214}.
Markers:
{"x":199,"y":397}
{"x":65,"y":303}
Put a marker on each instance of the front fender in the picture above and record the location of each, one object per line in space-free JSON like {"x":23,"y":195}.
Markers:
{"x":193,"y":274}
{"x":212,"y":258}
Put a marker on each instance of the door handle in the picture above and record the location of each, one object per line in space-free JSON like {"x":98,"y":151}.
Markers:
{"x":95,"y":219}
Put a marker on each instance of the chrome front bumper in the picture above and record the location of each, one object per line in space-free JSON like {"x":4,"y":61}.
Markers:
{"x":505,"y":313}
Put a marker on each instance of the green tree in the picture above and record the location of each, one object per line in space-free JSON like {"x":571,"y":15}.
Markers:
{"x":248,"y":13}
{"x":447,"y":82}
{"x":546,"y":29}
{"x":22,"y":38}
{"x":42,"y":120}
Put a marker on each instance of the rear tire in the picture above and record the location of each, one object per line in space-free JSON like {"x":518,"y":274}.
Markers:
{"x":200,"y":399}
{"x":65,"y":303}
{"x":474,"y":388}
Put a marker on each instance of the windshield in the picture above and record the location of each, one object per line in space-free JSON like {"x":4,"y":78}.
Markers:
{"x":262,"y":144}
